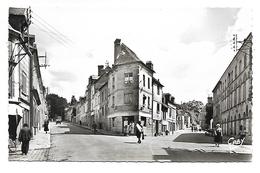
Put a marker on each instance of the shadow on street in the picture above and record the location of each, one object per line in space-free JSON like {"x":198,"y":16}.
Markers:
{"x":178,"y":155}
{"x":194,"y":138}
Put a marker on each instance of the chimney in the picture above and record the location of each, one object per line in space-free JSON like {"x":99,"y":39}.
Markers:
{"x":149,"y":64}
{"x":117,"y":49}
{"x":100,"y":68}
{"x":210,"y":100}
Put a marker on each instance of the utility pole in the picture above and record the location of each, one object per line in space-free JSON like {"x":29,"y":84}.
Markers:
{"x":45,"y":61}
{"x":30,"y":69}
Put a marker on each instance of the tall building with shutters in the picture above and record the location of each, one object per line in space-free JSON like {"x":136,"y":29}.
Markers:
{"x":232,"y":95}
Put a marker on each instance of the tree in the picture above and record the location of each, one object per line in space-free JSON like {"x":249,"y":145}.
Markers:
{"x":56,"y":105}
{"x":194,"y":108}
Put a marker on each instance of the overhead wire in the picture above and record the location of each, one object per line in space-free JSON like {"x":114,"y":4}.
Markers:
{"x":43,"y":26}
{"x":50,"y":35}
{"x":52,"y":27}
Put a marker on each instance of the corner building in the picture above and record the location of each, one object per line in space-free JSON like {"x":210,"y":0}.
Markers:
{"x":232,"y":95}
{"x":129,"y":90}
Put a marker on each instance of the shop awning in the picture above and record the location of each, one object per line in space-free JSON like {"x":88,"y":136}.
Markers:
{"x":14,"y":109}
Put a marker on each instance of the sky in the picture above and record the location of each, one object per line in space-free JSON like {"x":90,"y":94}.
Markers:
{"x":190,"y":47}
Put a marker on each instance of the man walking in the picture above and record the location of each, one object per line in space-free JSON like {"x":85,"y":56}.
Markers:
{"x":25,"y":137}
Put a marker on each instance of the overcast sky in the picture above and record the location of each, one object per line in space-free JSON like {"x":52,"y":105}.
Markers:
{"x":189,"y":47}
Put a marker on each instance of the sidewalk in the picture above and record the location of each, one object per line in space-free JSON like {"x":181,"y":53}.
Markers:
{"x":38,"y":149}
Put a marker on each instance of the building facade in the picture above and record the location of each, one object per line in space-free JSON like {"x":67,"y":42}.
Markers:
{"x":232,"y":95}
{"x":26,"y":93}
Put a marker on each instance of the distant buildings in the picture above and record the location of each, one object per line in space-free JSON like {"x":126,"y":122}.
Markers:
{"x":125,"y":93}
{"x":232,"y":95}
{"x":26,"y":92}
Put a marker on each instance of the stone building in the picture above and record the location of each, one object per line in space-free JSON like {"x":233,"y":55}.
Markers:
{"x":232,"y":95}
{"x":129,"y":90}
{"x":169,"y":114}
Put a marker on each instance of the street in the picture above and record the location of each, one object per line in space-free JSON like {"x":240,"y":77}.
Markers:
{"x":73,"y":143}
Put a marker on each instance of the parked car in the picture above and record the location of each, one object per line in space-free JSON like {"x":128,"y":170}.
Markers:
{"x":209,"y":132}
{"x":58,"y":120}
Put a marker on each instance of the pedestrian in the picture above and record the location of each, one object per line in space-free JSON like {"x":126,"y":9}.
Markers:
{"x":46,"y":124}
{"x":94,"y":126}
{"x":218,"y":135}
{"x":139,"y":130}
{"x":130,"y":129}
{"x":25,"y":137}
{"x":242,"y":133}
{"x":126,"y":130}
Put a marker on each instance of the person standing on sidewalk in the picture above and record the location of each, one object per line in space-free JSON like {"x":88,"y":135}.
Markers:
{"x":130,"y":128}
{"x":139,"y":130}
{"x":46,"y":124}
{"x":218,"y":135}
{"x":94,"y":126}
{"x":25,"y":137}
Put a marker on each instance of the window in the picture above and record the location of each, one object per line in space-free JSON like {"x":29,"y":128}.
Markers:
{"x":158,"y":90}
{"x":24,"y":83}
{"x":240,"y":66}
{"x":148,"y":102}
{"x":170,"y":112}
{"x":148,"y":83}
{"x":235,"y":97}
{"x":164,"y":115}
{"x":245,"y":61}
{"x":235,"y":71}
{"x":102,"y":111}
{"x":144,"y":80}
{"x":128,"y":78}
{"x":158,"y":108}
{"x":113,"y":82}
{"x":239,"y":94}
{"x":113,"y":101}
{"x":128,"y":98}
{"x":144,"y":98}
{"x":244,"y":91}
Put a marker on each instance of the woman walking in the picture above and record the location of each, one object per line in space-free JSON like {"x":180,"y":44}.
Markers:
{"x":46,"y":124}
{"x":218,"y":135}
{"x":139,"y":130}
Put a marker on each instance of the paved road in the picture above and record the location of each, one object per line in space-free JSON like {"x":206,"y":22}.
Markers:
{"x":73,"y":143}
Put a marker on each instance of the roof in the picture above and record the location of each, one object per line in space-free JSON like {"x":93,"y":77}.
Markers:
{"x":18,"y":11}
{"x":127,"y":56}
{"x":157,"y":82}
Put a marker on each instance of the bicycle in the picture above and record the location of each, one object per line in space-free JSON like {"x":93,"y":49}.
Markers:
{"x":236,"y":141}
{"x":12,"y":145}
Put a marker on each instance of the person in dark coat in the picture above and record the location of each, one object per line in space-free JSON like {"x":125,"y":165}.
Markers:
{"x":25,"y":137}
{"x":94,"y":126}
{"x":139,"y":130}
{"x":218,"y":135}
{"x":46,"y":125}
